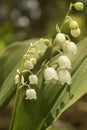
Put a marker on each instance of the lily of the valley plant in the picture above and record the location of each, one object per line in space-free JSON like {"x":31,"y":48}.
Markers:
{"x":49,"y":78}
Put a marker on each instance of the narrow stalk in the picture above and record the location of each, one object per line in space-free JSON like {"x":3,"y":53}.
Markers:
{"x":15,"y":106}
{"x":16,"y":98}
{"x":67,"y":14}
{"x":59,"y":29}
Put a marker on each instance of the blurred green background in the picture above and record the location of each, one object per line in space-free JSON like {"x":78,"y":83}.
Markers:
{"x":26,"y":19}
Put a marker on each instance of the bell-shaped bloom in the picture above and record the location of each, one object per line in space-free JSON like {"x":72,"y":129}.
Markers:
{"x":50,"y":74}
{"x":31,"y":94}
{"x":64,"y":77}
{"x":28,"y":65}
{"x":75,"y":32}
{"x":70,"y":48}
{"x":33,"y":79}
{"x":60,"y":38}
{"x":64,"y":62}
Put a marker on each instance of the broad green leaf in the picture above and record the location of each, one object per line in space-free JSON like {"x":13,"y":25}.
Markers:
{"x":78,"y":87}
{"x":10,"y":60}
{"x":53,"y":99}
{"x":71,"y":94}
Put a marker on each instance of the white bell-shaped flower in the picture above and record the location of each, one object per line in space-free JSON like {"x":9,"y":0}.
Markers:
{"x":28,"y":65}
{"x":64,"y":77}
{"x":33,"y":79}
{"x":64,"y":62}
{"x":70,"y":48}
{"x":60,"y":38}
{"x":17,"y":79}
{"x":50,"y":74}
{"x":75,"y":32}
{"x":31,"y":94}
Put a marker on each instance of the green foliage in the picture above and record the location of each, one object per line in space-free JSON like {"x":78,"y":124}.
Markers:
{"x":52,"y":99}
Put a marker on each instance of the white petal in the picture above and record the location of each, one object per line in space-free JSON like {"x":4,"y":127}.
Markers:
{"x":60,"y":38}
{"x":75,"y":32}
{"x":64,"y":62}
{"x":70,"y":48}
{"x":31,"y":94}
{"x":64,"y":77}
{"x":28,"y":65}
{"x":50,"y":74}
{"x":33,"y":79}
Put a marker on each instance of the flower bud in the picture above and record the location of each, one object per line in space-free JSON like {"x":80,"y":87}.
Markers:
{"x":60,"y":38}
{"x":75,"y":32}
{"x":64,"y":62}
{"x":33,"y":61}
{"x":40,"y":53}
{"x":31,"y":94}
{"x":22,"y":79}
{"x":73,"y":24}
{"x":70,"y":48}
{"x":50,"y":74}
{"x":47,"y":42}
{"x":28,"y":65}
{"x":17,"y":79}
{"x":18,"y":71}
{"x":79,"y":6}
{"x":33,"y":79}
{"x":64,"y":77}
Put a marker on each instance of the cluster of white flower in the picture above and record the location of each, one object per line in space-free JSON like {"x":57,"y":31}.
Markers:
{"x":33,"y":80}
{"x":62,"y":73}
{"x":31,"y":93}
{"x":64,"y":62}
{"x":69,"y":49}
{"x":28,"y":65}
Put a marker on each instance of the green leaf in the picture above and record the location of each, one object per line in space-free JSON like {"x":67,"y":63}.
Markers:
{"x":67,"y":98}
{"x":53,"y":99}
{"x":78,"y":87}
{"x":10,"y":60}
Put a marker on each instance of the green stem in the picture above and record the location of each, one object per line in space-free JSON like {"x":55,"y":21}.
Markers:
{"x":15,"y":106}
{"x":67,"y":14}
{"x":16,"y":98}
